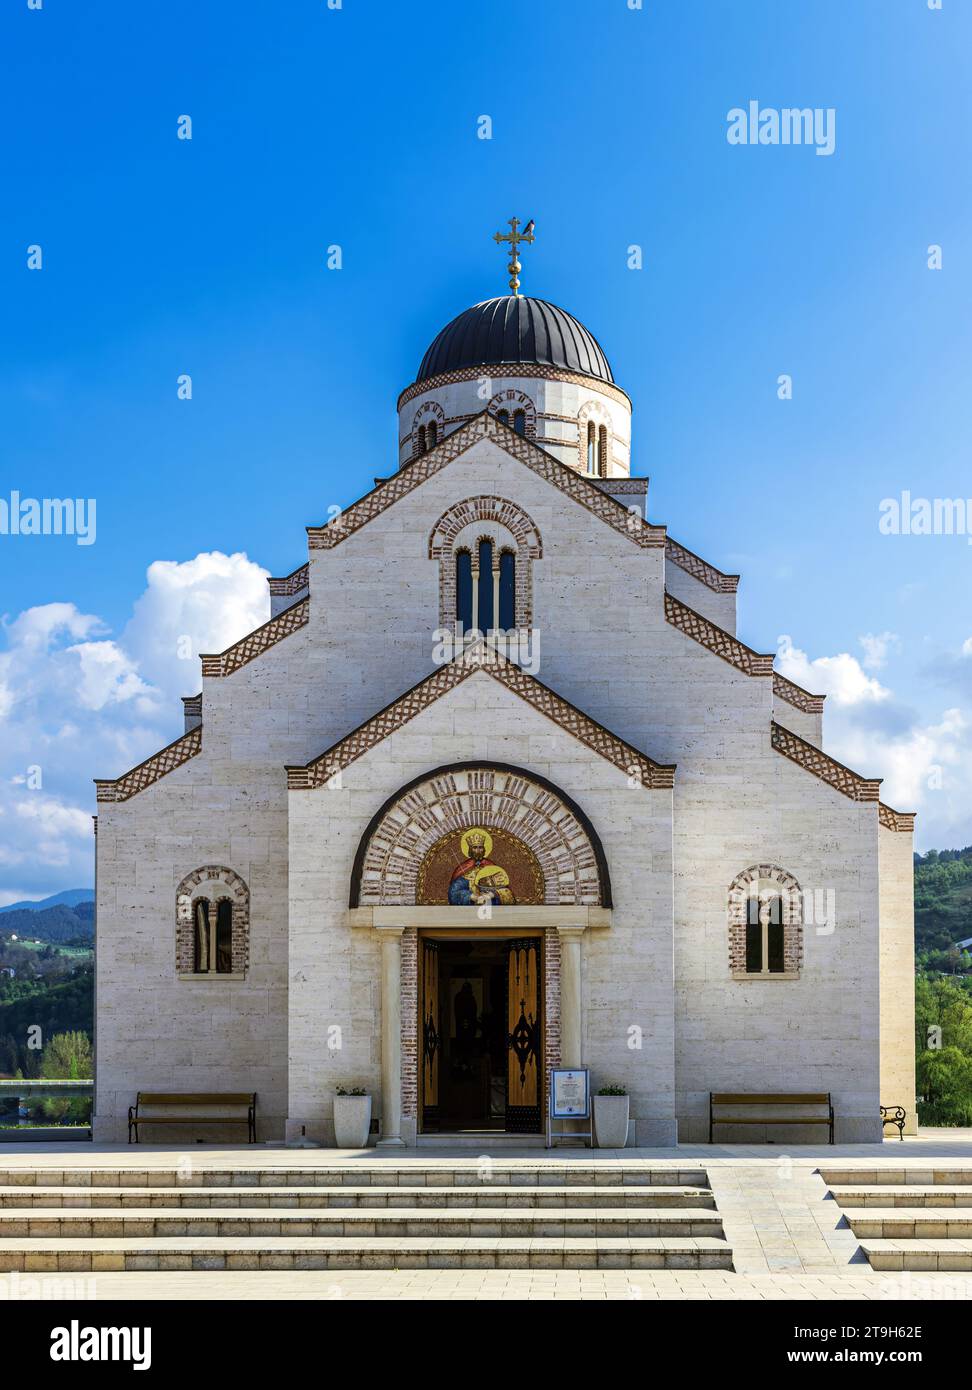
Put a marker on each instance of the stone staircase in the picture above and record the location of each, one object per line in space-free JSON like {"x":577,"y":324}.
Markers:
{"x":366,"y":1215}
{"x":908,"y":1218}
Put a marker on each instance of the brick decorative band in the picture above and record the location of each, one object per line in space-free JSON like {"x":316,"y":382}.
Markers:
{"x":485,"y":426}
{"x":291,"y":583}
{"x":903,"y":821}
{"x":256,"y":643}
{"x":623,"y":486}
{"x":192,"y":706}
{"x":700,"y":569}
{"x":814,"y":760}
{"x":513,"y":370}
{"x":717,"y":640}
{"x":796,"y":696}
{"x":636,"y":765}
{"x":142,"y":776}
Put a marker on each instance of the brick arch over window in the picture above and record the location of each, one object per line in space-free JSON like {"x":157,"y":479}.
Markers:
{"x":458,"y":797}
{"x":759,"y":879}
{"x":501,"y":512}
{"x":212,"y":883}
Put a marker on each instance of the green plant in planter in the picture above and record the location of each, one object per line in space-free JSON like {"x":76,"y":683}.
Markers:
{"x":613,"y":1091}
{"x":354,"y":1091}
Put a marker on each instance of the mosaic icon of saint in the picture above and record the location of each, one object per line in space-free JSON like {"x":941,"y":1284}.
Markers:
{"x":477,"y":879}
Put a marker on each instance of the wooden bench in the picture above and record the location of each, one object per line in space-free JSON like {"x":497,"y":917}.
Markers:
{"x":894,"y":1115}
{"x":753,"y":1101}
{"x":204,"y":1107}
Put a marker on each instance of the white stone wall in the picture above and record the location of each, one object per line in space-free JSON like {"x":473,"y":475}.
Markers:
{"x":558,"y":405}
{"x":897,"y":973}
{"x":808,"y":725}
{"x":626,"y":970}
{"x":718,"y":608}
{"x":817,"y":1033}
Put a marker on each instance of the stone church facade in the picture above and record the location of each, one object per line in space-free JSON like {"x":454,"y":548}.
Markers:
{"x":392,"y":852}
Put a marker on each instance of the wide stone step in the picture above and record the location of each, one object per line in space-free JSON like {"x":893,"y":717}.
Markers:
{"x":906,"y":1195}
{"x":952,"y":1256}
{"x":835,"y":1176}
{"x":906,"y":1223}
{"x":63,"y":1223}
{"x":376,"y":1252}
{"x":368,"y":1173}
{"x":483,"y":1195}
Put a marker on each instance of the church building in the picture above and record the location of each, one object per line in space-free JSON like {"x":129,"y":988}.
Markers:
{"x":498,"y":789}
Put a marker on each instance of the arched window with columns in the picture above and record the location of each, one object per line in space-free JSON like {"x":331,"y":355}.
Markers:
{"x":485,"y":547}
{"x":765,"y":911}
{"x":212,"y":923}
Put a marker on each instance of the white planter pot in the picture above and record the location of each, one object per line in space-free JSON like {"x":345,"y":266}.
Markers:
{"x":611,"y":1121}
{"x":352,"y":1121}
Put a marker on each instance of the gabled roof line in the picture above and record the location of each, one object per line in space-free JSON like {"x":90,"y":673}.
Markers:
{"x":842,"y":778}
{"x":716,"y":639}
{"x":484,"y":425}
{"x":481,"y":657}
{"x":173,"y":755}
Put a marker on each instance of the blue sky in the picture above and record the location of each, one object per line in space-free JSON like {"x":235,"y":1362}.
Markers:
{"x":358,"y":126}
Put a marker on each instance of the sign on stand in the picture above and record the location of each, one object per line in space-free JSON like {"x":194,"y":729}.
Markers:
{"x":570,"y":1099}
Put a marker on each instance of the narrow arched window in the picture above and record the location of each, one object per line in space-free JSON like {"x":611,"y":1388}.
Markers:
{"x":464,"y":590}
{"x":213,"y":937}
{"x":485,"y":619}
{"x":421,"y":439}
{"x":503,"y":416}
{"x":519,"y":421}
{"x":223,"y":937}
{"x":602,"y":451}
{"x":200,"y":937}
{"x":433,"y":434}
{"x":591,"y":447}
{"x":764,"y":934}
{"x":507,"y":590}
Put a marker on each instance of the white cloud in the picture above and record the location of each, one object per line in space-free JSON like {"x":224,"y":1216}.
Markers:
{"x":967,"y":647}
{"x":877,"y":648}
{"x":199,"y":605}
{"x":77,"y":703}
{"x":841,"y":677}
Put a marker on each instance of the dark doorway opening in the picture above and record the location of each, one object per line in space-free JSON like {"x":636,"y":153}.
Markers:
{"x":481,"y":1035}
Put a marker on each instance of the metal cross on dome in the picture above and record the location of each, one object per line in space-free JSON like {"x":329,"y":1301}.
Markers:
{"x":514,"y":236}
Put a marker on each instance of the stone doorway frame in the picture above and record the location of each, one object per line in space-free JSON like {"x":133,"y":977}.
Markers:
{"x":411,"y":1025}
{"x":398,"y":929}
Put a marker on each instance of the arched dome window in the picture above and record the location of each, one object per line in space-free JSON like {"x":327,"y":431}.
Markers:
{"x":519,"y":421}
{"x":421,"y":439}
{"x":602,"y":450}
{"x":591,"y":447}
{"x":432,"y":434}
{"x":503,"y":416}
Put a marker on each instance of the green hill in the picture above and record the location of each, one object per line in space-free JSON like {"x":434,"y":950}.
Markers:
{"x":943,"y":899}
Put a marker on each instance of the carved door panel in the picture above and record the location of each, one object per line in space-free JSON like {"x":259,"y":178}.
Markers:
{"x":524,"y":1089}
{"x":431,"y":1039}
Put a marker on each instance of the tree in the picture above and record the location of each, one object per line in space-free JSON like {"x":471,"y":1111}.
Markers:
{"x":67,"y":1056}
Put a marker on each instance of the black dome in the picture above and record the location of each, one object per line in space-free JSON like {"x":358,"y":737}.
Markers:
{"x":515,"y":329}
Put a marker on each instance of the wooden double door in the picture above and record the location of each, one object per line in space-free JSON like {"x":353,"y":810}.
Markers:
{"x":481,"y":1033}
